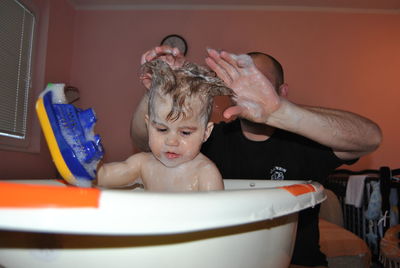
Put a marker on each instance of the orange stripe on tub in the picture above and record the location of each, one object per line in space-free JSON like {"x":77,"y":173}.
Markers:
{"x":17,"y":195}
{"x":299,"y":189}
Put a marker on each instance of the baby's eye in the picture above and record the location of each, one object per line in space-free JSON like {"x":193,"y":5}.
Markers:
{"x":186,"y":133}
{"x":161,"y":129}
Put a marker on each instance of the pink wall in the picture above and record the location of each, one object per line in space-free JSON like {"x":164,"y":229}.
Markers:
{"x":342,"y":60}
{"x":334,"y":59}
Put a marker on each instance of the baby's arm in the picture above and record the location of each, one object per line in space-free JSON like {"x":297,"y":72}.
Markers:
{"x":121,"y":173}
{"x":210,"y":178}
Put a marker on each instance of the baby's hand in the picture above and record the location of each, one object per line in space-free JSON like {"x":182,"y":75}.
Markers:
{"x":170,"y":55}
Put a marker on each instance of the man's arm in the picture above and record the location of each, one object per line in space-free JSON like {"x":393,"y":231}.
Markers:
{"x":349,"y":135}
{"x":139,"y":133}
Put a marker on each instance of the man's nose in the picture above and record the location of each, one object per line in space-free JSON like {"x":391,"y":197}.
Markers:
{"x":172,"y":140}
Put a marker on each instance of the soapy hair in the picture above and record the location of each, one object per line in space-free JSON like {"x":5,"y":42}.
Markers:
{"x":185,"y":85}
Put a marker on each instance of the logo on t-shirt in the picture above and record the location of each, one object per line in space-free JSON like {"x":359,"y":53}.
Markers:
{"x":278,"y":173}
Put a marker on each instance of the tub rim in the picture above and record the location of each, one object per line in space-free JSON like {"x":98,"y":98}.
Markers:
{"x":197,"y":211}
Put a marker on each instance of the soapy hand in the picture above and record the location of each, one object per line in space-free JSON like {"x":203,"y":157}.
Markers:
{"x":172,"y":56}
{"x":256,"y":98}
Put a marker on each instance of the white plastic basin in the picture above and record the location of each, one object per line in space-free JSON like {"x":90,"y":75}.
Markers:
{"x":251,"y":224}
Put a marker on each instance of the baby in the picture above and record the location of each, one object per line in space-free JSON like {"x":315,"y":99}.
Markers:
{"x":179,"y":110}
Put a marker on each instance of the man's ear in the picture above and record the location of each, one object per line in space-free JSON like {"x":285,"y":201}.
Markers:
{"x":284,"y":90}
{"x":207,"y":132}
{"x":146,"y":80}
{"x":146,"y":120}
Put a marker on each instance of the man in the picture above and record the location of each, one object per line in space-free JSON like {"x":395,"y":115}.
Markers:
{"x":273,"y":137}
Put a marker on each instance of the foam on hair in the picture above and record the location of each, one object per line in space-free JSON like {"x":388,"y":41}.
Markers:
{"x":188,"y":83}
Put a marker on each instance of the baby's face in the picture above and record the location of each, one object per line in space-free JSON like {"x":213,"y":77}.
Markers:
{"x":175,"y":142}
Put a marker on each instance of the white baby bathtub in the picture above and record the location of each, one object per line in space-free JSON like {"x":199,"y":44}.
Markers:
{"x":251,"y":224}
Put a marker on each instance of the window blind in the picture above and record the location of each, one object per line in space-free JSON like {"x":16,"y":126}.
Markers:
{"x":16,"y":38}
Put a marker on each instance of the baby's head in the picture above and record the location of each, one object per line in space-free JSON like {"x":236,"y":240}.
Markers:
{"x":180,"y":106}
{"x":185,"y":86}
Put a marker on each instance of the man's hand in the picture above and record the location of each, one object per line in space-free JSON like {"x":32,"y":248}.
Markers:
{"x":172,"y":56}
{"x":255,"y":97}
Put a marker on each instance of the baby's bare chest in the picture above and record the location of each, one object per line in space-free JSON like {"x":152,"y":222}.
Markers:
{"x":161,"y":178}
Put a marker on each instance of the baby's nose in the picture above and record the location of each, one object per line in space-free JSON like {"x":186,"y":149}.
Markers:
{"x":172,"y":140}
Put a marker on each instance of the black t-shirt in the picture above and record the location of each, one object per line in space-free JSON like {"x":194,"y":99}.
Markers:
{"x":284,"y":156}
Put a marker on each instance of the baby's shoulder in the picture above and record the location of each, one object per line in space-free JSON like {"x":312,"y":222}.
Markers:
{"x":203,"y":162}
{"x":209,"y":176}
{"x":140,"y":157}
